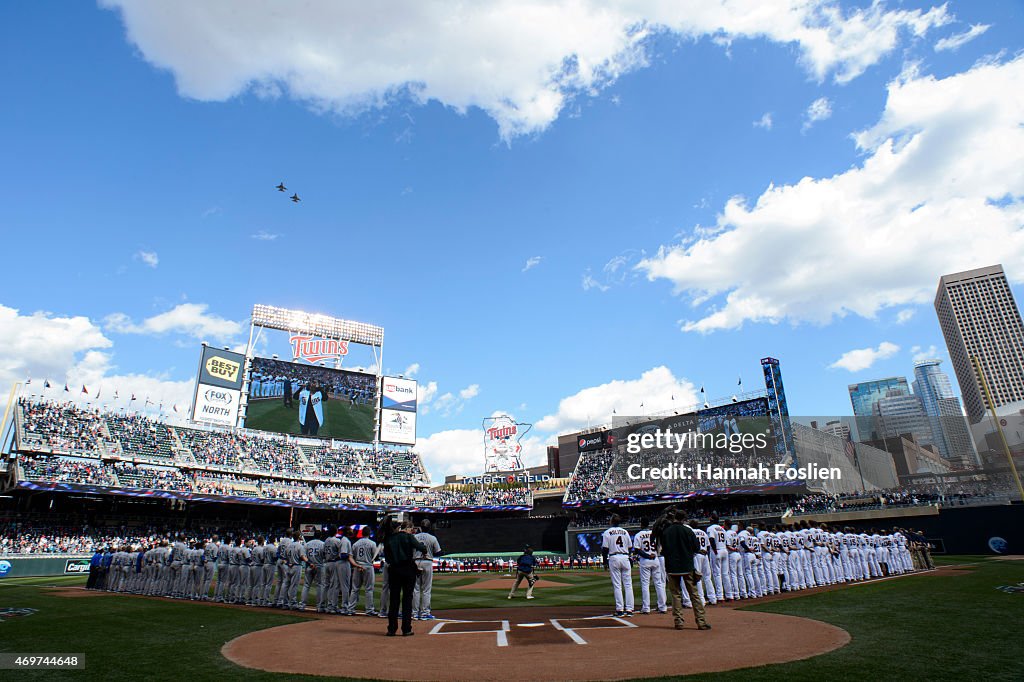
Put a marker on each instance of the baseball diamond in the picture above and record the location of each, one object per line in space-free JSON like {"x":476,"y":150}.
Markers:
{"x":703,"y":354}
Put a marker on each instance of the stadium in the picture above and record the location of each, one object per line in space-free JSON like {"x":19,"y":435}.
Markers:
{"x":191,"y":523}
{"x":515,"y":341}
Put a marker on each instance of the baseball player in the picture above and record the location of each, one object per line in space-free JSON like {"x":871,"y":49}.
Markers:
{"x":209,"y":566}
{"x":314,"y":572}
{"x":616,"y":545}
{"x":295,"y":558}
{"x":650,"y":568}
{"x":768,"y":573}
{"x":223,"y":571}
{"x":256,"y":558}
{"x":425,"y":568}
{"x":364,"y":552}
{"x":281,"y":599}
{"x":269,"y":571}
{"x":332,"y":557}
{"x":732,"y":545}
{"x":702,"y":564}
{"x":344,"y":565}
{"x":235,"y":560}
{"x":719,"y":559}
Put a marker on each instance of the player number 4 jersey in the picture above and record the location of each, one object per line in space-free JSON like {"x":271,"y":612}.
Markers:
{"x":616,"y":540}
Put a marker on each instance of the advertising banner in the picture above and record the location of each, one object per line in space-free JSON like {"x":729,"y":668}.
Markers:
{"x":398,"y":410}
{"x":502,"y":448}
{"x":218,"y":387}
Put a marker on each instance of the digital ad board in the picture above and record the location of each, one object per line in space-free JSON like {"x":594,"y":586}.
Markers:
{"x":310,"y":400}
{"x":398,"y":410}
{"x":218,"y":387}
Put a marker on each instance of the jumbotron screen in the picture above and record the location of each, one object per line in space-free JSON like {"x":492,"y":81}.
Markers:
{"x":306,"y":400}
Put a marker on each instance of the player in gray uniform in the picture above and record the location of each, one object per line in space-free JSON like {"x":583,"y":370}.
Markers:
{"x":425,"y":572}
{"x":223,"y":570}
{"x":314,"y":572}
{"x":295,"y":558}
{"x":245,"y":554}
{"x":269,"y":570}
{"x":235,"y":559}
{"x":166,"y":574}
{"x":345,"y":566}
{"x":209,"y":566}
{"x":280,"y":600}
{"x":364,"y":551}
{"x":256,"y":572}
{"x":332,"y":560}
{"x":194,"y":571}
{"x":176,"y":587}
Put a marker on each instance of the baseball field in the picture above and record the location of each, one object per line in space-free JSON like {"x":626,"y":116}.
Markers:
{"x":341,"y":419}
{"x":951,"y":624}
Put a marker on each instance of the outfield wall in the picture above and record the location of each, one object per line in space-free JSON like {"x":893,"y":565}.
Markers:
{"x":33,"y":566}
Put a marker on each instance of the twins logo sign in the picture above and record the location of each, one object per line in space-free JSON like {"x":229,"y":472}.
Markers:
{"x":502,"y":448}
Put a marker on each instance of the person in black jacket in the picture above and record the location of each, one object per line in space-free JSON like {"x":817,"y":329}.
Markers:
{"x":399,"y":545}
{"x":678,"y":544}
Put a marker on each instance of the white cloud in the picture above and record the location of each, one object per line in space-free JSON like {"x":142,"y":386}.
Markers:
{"x":264,"y":236}
{"x":186,"y":318}
{"x":765,"y":121}
{"x":655,"y":389}
{"x":918,"y":354}
{"x":425,"y":393}
{"x":148,"y":257}
{"x":461,"y":451}
{"x":412,"y":370}
{"x":905,"y":315}
{"x":43,"y":347}
{"x":863,"y":358}
{"x":958,"y":40}
{"x":590,"y":283}
{"x":819,"y":110}
{"x":939,"y":191}
{"x":532,"y":262}
{"x":470,"y":391}
{"x":521,"y":61}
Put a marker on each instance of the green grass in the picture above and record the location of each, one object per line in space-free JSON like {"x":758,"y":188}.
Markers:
{"x":342,"y":420}
{"x":955,"y":627}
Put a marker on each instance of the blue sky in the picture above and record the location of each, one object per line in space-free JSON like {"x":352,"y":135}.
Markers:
{"x":142,"y":143}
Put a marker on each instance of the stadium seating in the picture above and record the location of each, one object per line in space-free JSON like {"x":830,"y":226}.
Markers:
{"x":67,"y":470}
{"x":140,"y":436}
{"x":153,"y":478}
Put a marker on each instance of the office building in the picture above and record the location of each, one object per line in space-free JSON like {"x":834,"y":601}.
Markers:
{"x":979,"y":318}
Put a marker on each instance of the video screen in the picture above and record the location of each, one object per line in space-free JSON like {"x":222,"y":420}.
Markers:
{"x":306,"y":400}
{"x":588,"y":543}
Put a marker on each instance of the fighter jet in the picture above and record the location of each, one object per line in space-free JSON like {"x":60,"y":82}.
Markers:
{"x":295,"y":198}
{"x":281,"y":187}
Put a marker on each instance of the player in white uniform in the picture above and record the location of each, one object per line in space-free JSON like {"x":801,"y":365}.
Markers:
{"x":702,"y":564}
{"x":651,"y":568}
{"x":750,"y":556}
{"x":617,"y":544}
{"x":735,"y":573}
{"x":719,"y":558}
{"x":769,"y":555}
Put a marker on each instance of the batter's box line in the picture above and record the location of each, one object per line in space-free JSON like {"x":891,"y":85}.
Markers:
{"x":576,"y":637}
{"x":501,"y":635}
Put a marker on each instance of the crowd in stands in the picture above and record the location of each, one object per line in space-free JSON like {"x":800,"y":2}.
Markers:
{"x":63,"y":427}
{"x":343,"y":463}
{"x":67,"y":470}
{"x":590,"y":472}
{"x":154,"y":478}
{"x":271,"y":455}
{"x":140,"y":436}
{"x":210,"y":448}
{"x":903,"y":496}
